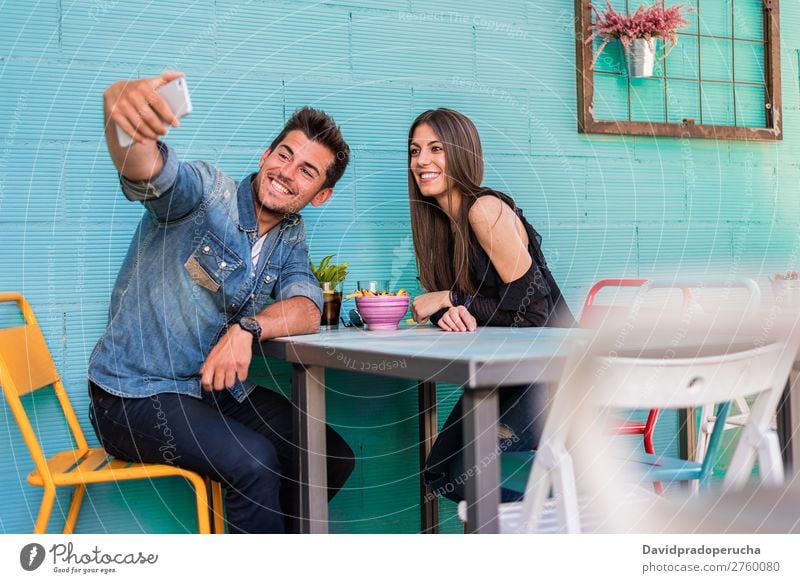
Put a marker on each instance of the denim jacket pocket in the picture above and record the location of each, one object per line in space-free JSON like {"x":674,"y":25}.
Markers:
{"x":212,"y":262}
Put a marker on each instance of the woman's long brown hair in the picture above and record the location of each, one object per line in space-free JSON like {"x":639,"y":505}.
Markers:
{"x":443,"y":252}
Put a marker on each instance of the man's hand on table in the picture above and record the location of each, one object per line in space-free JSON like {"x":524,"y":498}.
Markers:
{"x":229,"y":359}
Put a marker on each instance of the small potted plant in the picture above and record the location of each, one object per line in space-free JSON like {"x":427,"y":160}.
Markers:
{"x":330,"y":277}
{"x":638,"y":32}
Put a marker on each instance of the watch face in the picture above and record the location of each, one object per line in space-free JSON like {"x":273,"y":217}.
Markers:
{"x":251,"y":325}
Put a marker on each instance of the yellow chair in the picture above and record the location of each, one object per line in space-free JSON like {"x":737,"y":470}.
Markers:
{"x":27,"y":366}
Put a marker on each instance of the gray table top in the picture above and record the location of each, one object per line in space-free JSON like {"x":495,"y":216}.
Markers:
{"x":487,"y":357}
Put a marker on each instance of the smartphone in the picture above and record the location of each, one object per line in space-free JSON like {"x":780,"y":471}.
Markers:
{"x":176,"y":94}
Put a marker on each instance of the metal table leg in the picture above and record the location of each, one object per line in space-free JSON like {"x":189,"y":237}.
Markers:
{"x":481,"y":409}
{"x":789,"y":424}
{"x":784,"y":419}
{"x":688,"y":432}
{"x":308,"y":397}
{"x":429,"y":503}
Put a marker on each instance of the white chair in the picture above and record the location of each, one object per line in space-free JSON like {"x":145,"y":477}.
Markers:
{"x":637,"y":367}
{"x":724,"y":288}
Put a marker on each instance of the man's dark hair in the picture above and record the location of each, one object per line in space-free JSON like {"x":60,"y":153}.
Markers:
{"x":319,"y":127}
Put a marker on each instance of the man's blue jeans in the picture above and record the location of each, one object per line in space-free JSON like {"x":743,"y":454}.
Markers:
{"x":248,"y":447}
{"x":521,"y":423}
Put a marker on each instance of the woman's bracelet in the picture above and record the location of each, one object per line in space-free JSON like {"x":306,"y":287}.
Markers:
{"x":458,"y":299}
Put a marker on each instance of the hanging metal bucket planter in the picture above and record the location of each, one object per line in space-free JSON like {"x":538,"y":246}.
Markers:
{"x":640,"y":57}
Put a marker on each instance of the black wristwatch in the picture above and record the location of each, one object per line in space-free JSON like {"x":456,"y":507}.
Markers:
{"x":251,"y":325}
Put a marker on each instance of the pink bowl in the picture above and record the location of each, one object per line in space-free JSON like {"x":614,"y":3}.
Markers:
{"x":382,"y":312}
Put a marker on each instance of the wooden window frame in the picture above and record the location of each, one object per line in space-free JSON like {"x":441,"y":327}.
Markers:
{"x":772,"y":72}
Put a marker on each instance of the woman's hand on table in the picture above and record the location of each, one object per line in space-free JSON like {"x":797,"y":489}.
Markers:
{"x":424,"y":306}
{"x":458,"y":319}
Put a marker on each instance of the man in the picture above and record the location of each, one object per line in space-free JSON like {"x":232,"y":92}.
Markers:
{"x":168,"y":378}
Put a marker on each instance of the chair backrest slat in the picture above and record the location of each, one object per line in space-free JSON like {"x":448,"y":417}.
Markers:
{"x":595,"y":315}
{"x":663,"y":383}
{"x":27,"y":363}
{"x":26,"y":366}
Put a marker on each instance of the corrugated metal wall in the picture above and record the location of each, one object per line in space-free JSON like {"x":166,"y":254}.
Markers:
{"x":606,"y":206}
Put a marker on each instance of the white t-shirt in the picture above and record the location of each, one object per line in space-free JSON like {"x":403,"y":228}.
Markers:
{"x":255,"y":252}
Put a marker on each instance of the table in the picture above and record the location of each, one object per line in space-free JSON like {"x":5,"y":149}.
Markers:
{"x":479,"y":361}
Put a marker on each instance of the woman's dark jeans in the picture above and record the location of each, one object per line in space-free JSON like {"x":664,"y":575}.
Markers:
{"x":248,"y":447}
{"x":522,"y":414}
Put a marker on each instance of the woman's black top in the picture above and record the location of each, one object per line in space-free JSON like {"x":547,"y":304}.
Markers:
{"x":532,"y":300}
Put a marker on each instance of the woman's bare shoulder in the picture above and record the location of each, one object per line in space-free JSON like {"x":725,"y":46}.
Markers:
{"x":490,"y":212}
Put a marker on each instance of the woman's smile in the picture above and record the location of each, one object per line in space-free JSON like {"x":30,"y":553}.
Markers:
{"x":428,"y":161}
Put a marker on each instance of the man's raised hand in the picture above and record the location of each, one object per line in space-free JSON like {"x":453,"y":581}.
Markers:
{"x":138,"y":109}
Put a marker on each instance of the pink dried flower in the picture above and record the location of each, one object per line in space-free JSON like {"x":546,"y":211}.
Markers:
{"x":647,"y":22}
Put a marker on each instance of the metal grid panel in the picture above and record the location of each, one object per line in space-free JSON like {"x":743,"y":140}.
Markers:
{"x":721,"y":81}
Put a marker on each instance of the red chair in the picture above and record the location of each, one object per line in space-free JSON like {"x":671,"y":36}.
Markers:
{"x":593,"y":316}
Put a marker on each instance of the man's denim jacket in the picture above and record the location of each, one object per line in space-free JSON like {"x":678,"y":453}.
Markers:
{"x":188,"y":275}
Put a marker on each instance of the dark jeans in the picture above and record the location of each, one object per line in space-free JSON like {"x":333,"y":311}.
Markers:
{"x":522,"y":415}
{"x":248,"y":447}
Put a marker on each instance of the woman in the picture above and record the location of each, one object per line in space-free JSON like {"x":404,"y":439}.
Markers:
{"x":483,"y":266}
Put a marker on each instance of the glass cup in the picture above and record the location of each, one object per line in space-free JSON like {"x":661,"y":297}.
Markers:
{"x":376,"y":286}
{"x":331,"y":305}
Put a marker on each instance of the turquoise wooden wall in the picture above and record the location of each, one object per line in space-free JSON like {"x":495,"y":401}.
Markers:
{"x":606,"y":205}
